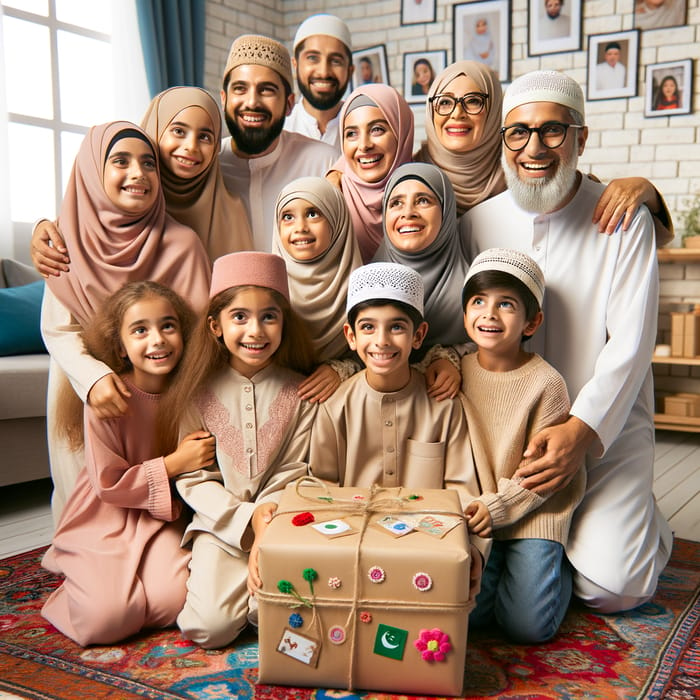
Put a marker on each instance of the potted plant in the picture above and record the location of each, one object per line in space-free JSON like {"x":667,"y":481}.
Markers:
{"x":690,"y":219}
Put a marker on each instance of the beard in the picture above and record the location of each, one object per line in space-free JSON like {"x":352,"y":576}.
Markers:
{"x":253,"y":140}
{"x":545,"y":194}
{"x":323,"y":102}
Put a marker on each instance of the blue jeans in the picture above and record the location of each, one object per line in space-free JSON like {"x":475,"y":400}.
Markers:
{"x":525,"y":589}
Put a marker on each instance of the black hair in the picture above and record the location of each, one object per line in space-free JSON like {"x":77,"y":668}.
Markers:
{"x":413,"y":313}
{"x":490,"y":279}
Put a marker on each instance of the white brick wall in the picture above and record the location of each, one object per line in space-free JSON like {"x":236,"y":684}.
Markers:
{"x":622,"y":142}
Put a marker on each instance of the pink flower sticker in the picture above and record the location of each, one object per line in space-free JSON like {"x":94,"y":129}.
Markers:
{"x":433,"y":644}
{"x":336,"y":634}
{"x":365,"y":617}
{"x":422,"y":581}
{"x":376,"y":574}
{"x":334,"y":582}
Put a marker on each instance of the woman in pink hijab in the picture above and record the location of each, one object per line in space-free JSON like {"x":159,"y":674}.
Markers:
{"x":376,"y":130}
{"x":116,"y":230}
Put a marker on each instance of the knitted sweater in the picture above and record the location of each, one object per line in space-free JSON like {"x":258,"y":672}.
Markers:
{"x":504,"y":411}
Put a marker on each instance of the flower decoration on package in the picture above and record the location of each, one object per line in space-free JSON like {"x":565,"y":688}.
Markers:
{"x":284,"y":586}
{"x":365,"y":617}
{"x":310,"y":575}
{"x":433,"y":645}
{"x":334,"y":582}
{"x":422,"y":581}
{"x":303,"y":519}
{"x":376,"y":574}
{"x":296,"y":620}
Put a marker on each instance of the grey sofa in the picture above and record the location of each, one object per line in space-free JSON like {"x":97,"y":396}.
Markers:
{"x":23,"y":381}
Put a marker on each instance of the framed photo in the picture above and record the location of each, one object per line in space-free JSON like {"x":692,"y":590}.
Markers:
{"x":419,"y":71}
{"x":370,"y":66}
{"x":669,"y":88}
{"x":612,"y":65}
{"x":417,"y":11}
{"x":482,"y":33}
{"x":655,"y":15}
{"x":554,"y":26}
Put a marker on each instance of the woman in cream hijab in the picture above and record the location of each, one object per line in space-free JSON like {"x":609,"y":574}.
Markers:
{"x":186,"y":124}
{"x":314,"y":235}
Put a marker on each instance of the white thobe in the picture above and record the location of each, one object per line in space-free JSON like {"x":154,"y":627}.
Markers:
{"x":301,"y":122}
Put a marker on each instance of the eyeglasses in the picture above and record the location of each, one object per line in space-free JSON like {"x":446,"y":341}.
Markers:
{"x":472,"y":103}
{"x":552,"y":134}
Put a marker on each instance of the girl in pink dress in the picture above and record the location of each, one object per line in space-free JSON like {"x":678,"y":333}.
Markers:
{"x":118,"y":540}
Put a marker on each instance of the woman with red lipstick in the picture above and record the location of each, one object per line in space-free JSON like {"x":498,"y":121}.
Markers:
{"x":116,"y":231}
{"x":377,"y":135}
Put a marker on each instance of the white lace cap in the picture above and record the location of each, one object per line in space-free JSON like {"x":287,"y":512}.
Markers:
{"x":515,"y":263}
{"x":388,"y":281}
{"x":544,"y":86}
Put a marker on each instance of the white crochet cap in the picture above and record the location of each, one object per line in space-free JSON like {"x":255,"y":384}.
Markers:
{"x":544,"y":86}
{"x":325,"y":25}
{"x":515,"y":263}
{"x":387,"y":281}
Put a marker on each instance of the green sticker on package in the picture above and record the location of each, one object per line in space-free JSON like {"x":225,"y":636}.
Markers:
{"x":390,"y":642}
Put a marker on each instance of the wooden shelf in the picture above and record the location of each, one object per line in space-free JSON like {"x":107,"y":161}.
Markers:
{"x":666,"y":360}
{"x":663,"y":421}
{"x":678,"y":255}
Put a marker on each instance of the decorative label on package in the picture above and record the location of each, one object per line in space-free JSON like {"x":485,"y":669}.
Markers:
{"x":333,"y":528}
{"x":299,"y":647}
{"x":394,"y":525}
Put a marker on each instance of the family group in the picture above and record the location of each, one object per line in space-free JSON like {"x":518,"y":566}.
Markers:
{"x":311,"y":295}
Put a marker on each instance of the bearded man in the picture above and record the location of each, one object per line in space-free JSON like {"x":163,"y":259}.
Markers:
{"x":600,"y":312}
{"x":259,"y":158}
{"x":323,"y":64}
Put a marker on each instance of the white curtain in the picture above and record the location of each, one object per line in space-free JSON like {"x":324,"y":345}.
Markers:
{"x":6,"y":230}
{"x":131,"y":88}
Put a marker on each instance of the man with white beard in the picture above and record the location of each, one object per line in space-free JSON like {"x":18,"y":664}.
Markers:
{"x":600,"y":312}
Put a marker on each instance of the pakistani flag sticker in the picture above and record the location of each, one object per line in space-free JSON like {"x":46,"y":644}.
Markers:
{"x":390,"y":642}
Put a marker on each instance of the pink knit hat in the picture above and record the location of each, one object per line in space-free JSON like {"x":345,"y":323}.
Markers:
{"x":249,"y":268}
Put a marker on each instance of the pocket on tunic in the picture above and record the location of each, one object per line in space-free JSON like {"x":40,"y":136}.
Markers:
{"x":424,"y":465}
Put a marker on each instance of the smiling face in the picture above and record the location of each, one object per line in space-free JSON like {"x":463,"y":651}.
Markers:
{"x":251,"y":328}
{"x":383,"y":337}
{"x":612,"y":57}
{"x":496,"y":320}
{"x":151,"y":337}
{"x":422,"y":74}
{"x":255,"y":105}
{"x":304,"y":231}
{"x":130,"y":176}
{"x":460,"y":132}
{"x":369,"y":144}
{"x":187,"y":145}
{"x":323,"y":71}
{"x":543,"y":179}
{"x":413,"y":216}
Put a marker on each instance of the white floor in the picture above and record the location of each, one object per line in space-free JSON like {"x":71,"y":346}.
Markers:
{"x":25,"y":517}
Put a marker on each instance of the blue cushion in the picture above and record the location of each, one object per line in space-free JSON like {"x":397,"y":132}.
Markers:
{"x":20,"y":315}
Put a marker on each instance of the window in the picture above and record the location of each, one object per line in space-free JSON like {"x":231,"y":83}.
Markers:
{"x":58,"y":82}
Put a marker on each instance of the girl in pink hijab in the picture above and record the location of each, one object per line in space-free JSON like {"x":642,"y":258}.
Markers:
{"x":116,"y":230}
{"x":376,"y":130}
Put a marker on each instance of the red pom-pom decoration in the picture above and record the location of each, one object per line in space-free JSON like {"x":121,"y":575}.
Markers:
{"x":302,"y":519}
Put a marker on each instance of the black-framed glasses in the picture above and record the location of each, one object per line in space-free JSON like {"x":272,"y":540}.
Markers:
{"x":472,"y":103}
{"x":552,"y":134}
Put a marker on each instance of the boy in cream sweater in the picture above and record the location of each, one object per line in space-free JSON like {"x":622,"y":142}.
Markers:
{"x":509,"y":395}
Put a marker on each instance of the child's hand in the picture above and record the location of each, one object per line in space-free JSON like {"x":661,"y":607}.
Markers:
{"x":48,"y":249}
{"x":108,"y":395}
{"x":197,"y":450}
{"x":478,"y":519}
{"x":443,"y":379}
{"x":262,"y":516}
{"x":320,"y":385}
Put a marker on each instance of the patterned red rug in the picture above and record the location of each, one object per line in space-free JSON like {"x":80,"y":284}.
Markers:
{"x":652,"y":652}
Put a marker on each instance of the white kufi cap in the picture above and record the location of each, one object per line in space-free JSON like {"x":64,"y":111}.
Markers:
{"x":544,"y":86}
{"x":324,"y":25}
{"x":388,"y":281}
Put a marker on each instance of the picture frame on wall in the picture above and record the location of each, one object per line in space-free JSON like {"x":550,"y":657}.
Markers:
{"x":419,"y":71}
{"x":481,"y":32}
{"x":554,"y":26}
{"x":370,"y":66}
{"x":669,"y":88}
{"x":418,"y":11}
{"x":613,"y":61}
{"x":655,"y":15}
